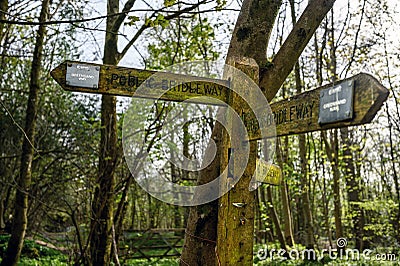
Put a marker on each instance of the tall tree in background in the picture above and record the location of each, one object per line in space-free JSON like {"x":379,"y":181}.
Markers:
{"x":103,"y":201}
{"x":332,"y":146}
{"x":3,"y":12}
{"x":309,"y":240}
{"x":353,"y":181}
{"x":20,"y":219}
{"x":100,"y":237}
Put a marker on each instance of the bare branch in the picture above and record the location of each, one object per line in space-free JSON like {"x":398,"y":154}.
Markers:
{"x":146,"y":26}
{"x":21,"y":21}
{"x":122,"y":16}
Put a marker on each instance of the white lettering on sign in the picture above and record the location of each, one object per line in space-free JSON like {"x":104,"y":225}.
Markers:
{"x":334,"y":106}
{"x":83,"y":67}
{"x":335,"y":90}
{"x":80,"y":76}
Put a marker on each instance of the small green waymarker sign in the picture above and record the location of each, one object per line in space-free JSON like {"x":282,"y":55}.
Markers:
{"x":268,"y":173}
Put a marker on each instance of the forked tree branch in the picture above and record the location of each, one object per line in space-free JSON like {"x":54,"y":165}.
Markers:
{"x":253,"y":29}
{"x":127,"y":8}
{"x":272,"y":77}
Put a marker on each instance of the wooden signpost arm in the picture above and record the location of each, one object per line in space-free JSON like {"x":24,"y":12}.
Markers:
{"x":273,"y":75}
{"x":298,"y":114}
{"x":301,"y":113}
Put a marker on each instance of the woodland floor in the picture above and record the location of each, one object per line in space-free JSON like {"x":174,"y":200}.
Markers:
{"x":38,"y":252}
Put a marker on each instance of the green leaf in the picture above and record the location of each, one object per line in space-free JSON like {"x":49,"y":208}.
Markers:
{"x":132,"y":20}
{"x":168,"y":3}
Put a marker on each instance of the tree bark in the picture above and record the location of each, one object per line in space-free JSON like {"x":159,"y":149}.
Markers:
{"x":253,"y":29}
{"x":332,"y":68}
{"x":20,"y":219}
{"x":103,"y":201}
{"x":3,"y":9}
{"x":282,"y":156}
{"x":306,"y":208}
{"x":236,"y":222}
{"x":305,"y":195}
{"x":275,"y":219}
{"x":353,"y":190}
{"x":332,"y":154}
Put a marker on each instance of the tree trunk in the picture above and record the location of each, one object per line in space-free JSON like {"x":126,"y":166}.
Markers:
{"x":103,"y":202}
{"x":275,"y":219}
{"x":353,"y":190}
{"x":332,"y":68}
{"x":236,"y":223}
{"x":287,"y":216}
{"x":201,"y":228}
{"x":270,"y":205}
{"x":305,"y":196}
{"x":3,"y":9}
{"x":396,"y":219}
{"x":336,"y":187}
{"x":20,"y":219}
{"x":2,"y":212}
{"x":331,"y":149}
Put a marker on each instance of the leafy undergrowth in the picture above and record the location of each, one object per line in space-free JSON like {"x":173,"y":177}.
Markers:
{"x":155,"y":262}
{"x":35,"y":254}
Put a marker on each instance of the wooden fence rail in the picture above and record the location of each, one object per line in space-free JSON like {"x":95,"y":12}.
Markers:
{"x":152,"y":243}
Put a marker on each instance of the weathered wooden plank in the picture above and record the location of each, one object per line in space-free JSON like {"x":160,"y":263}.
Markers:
{"x":295,"y":115}
{"x":124,"y":81}
{"x":236,"y":207}
{"x":300,"y":113}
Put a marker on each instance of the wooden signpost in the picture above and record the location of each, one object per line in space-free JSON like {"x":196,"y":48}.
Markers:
{"x":122,"y":81}
{"x":350,"y":102}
